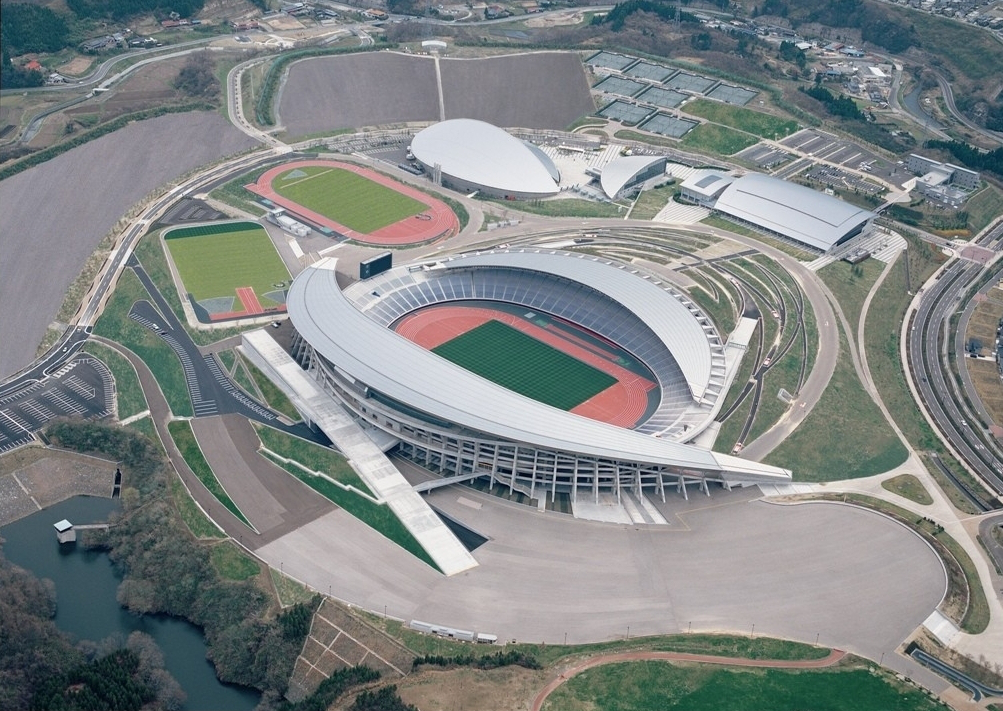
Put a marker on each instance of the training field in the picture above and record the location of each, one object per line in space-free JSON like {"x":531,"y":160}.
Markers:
{"x":346,"y":197}
{"x":229,"y":269}
{"x":517,"y":361}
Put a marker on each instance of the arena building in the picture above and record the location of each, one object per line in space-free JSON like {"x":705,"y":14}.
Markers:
{"x":785,"y":209}
{"x":469,"y":155}
{"x":448,"y":419}
{"x":792,"y":211}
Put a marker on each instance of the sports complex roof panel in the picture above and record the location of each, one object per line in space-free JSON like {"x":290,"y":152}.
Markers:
{"x":478,"y":153}
{"x":792,"y":210}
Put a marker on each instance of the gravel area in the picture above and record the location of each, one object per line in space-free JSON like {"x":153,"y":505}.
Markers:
{"x":357,"y":90}
{"x":538,"y":90}
{"x":51,"y":479}
{"x":14,"y":502}
{"x":55,"y":214}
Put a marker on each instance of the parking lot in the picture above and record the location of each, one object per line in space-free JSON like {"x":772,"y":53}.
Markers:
{"x":843,"y":180}
{"x":83,"y":388}
{"x":825,"y":146}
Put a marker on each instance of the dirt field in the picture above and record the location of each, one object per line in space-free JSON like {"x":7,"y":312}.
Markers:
{"x":76,"y":66}
{"x":328,"y":93}
{"x":55,"y":214}
{"x":510,"y":688}
{"x":571,"y":17}
{"x":538,"y":90}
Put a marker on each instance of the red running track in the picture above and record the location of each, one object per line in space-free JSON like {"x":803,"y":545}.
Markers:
{"x":622,"y":404}
{"x":438,"y":221}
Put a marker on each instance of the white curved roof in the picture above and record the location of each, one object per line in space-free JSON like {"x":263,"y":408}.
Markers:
{"x":803,"y":214}
{"x":477,"y":152}
{"x":618,"y":173}
{"x":389,"y":363}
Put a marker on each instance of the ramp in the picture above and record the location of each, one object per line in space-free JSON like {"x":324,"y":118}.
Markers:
{"x":366,"y":457}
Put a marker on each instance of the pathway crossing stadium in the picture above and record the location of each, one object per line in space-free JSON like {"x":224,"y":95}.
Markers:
{"x":459,"y":424}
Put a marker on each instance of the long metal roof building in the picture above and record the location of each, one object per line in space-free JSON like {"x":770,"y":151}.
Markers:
{"x":793,"y":211}
{"x":474,"y":155}
{"x":359,"y":351}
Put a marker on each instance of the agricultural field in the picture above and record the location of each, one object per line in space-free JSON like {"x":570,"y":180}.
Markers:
{"x":214,"y":261}
{"x":756,"y":122}
{"x":346,"y":197}
{"x":519,"y":362}
{"x":63,"y":239}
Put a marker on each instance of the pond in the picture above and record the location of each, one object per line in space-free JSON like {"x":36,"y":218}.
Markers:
{"x":86,"y":585}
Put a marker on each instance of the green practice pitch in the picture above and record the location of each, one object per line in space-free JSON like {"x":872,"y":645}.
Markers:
{"x":215,"y":260}
{"x":517,"y":361}
{"x":346,"y":197}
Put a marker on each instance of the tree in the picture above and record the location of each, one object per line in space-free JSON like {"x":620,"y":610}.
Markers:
{"x":31,"y":28}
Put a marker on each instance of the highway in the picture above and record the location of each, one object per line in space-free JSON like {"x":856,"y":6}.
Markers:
{"x":930,"y":371}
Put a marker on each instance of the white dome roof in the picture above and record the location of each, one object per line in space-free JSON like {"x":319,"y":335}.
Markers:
{"x":479,"y":153}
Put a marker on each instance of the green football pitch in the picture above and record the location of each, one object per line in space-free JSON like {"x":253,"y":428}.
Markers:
{"x":215,"y":260}
{"x":348,"y":198}
{"x":517,"y":361}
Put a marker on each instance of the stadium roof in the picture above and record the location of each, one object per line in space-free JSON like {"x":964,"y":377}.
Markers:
{"x":617,"y":174}
{"x":387,"y":362}
{"x":792,"y":210}
{"x":479,"y":153}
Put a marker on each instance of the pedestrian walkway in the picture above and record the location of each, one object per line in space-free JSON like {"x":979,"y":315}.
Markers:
{"x":368,"y":459}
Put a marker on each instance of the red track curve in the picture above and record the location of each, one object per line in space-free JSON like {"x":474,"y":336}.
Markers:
{"x":436,"y":222}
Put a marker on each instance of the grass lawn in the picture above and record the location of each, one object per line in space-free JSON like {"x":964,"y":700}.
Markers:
{"x":116,"y":325}
{"x":743,"y":119}
{"x":272,"y":394}
{"x":650,"y":202}
{"x":719,"y":140}
{"x":649,"y":685}
{"x":850,"y":284}
{"x":844,"y":437}
{"x":983,"y":208}
{"x":909,"y":487}
{"x":348,"y":198}
{"x":232,"y":563}
{"x":310,"y":455}
{"x":214,"y":262}
{"x":720,"y":645}
{"x":184,"y":438}
{"x":131,"y":400}
{"x":517,"y":361}
{"x":288,"y":590}
{"x":198,"y":524}
{"x":713,"y":299}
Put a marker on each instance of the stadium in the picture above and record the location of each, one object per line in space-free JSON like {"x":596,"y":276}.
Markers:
{"x":469,"y":155}
{"x":361,"y":346}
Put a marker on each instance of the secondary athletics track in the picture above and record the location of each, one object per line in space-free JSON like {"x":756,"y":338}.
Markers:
{"x":438,"y":221}
{"x":834,"y":656}
{"x":622,"y":404}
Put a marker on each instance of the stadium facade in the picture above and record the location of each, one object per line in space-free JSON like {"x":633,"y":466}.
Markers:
{"x":469,"y":155}
{"x":461,"y":425}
